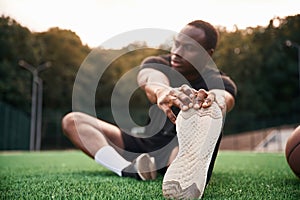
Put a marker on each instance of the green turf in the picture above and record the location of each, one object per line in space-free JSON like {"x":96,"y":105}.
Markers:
{"x":72,"y":175}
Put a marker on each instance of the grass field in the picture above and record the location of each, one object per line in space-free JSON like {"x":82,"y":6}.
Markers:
{"x":72,"y":175}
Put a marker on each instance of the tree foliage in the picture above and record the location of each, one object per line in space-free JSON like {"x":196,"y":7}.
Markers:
{"x":16,"y":43}
{"x":63,"y":48}
{"x":266,"y":73}
{"x":257,"y":59}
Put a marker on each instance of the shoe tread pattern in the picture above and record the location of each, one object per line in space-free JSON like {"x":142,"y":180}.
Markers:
{"x":197,"y":132}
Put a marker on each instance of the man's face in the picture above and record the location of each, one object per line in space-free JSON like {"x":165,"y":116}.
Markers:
{"x":187,"y":53}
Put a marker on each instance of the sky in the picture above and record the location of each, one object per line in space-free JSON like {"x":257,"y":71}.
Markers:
{"x":101,"y":22}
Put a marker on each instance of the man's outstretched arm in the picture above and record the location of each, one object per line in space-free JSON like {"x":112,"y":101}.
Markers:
{"x":157,"y":88}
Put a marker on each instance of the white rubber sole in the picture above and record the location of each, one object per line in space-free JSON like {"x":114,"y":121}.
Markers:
{"x":198,"y":132}
{"x":146,"y":167}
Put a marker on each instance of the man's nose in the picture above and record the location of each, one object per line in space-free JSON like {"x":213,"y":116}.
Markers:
{"x":177,"y":50}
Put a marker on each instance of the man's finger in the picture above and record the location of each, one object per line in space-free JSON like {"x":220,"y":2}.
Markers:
{"x":198,"y":102}
{"x":185,"y":100}
{"x":199,"y":99}
{"x":208,"y":100}
{"x":170,"y":114}
{"x":176,"y":102}
{"x":187,"y":91}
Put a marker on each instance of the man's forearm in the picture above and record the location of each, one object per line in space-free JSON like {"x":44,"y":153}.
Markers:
{"x":152,"y":81}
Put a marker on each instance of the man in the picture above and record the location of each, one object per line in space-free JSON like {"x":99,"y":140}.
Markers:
{"x":192,"y":94}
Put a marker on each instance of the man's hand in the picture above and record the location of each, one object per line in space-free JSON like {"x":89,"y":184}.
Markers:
{"x":183,"y":97}
{"x":186,"y":97}
{"x":219,"y":96}
{"x":156,"y":86}
{"x":168,"y":97}
{"x":215,"y":95}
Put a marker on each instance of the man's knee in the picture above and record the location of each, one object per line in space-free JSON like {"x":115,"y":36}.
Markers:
{"x":69,"y":122}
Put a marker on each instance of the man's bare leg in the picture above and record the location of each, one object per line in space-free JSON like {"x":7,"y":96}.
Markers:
{"x":90,"y":134}
{"x":95,"y":137}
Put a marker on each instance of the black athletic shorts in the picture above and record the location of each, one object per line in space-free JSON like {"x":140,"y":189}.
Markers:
{"x":160,"y":147}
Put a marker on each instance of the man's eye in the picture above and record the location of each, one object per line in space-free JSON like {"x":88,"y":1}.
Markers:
{"x":188,"y":47}
{"x":176,"y":44}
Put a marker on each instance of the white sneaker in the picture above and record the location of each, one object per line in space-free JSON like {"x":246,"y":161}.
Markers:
{"x":142,"y":168}
{"x":198,"y":132}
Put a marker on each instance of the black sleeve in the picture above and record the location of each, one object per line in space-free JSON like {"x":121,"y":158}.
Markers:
{"x":229,"y":85}
{"x":216,"y":80}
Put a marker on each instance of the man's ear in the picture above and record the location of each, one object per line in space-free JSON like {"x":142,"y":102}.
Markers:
{"x":210,"y":51}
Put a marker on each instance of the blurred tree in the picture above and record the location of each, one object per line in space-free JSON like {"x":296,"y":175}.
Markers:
{"x":16,"y":43}
{"x":266,"y":75}
{"x":65,"y":51}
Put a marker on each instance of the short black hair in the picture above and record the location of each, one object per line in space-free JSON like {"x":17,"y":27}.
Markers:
{"x":211,"y":34}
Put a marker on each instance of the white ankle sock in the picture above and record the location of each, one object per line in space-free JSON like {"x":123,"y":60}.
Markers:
{"x":108,"y":157}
